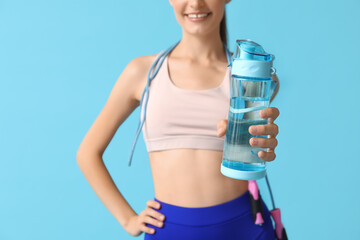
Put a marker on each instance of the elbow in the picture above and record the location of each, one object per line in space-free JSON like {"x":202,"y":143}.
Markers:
{"x":79,"y":156}
{"x":83,"y":155}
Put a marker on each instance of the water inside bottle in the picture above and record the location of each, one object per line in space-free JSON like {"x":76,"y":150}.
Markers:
{"x":238,"y":153}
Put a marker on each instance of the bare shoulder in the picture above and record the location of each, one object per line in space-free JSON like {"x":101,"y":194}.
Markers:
{"x":138,"y":70}
{"x":122,"y":101}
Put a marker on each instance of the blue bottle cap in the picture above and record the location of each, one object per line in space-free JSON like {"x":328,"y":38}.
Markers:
{"x":251,"y":60}
{"x":249,"y":50}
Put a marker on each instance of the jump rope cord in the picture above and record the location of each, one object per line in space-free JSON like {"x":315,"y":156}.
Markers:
{"x":150,"y":77}
{"x":146,"y":91}
{"x":271,"y":195}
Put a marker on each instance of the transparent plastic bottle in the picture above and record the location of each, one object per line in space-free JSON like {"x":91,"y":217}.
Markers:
{"x":250,"y":92}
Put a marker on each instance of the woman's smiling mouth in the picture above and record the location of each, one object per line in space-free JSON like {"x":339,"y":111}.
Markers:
{"x":197,"y":17}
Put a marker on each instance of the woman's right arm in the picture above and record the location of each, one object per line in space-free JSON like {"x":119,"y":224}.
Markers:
{"x":122,"y":101}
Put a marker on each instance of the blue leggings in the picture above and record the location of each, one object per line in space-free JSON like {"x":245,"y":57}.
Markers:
{"x":231,"y":220}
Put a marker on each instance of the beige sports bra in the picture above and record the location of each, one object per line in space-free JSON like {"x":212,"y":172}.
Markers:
{"x":184,"y":118}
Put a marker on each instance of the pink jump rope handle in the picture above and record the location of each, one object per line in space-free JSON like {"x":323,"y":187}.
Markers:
{"x":255,"y":202}
{"x":279,"y":228}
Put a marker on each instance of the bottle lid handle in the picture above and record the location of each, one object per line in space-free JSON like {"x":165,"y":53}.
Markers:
{"x":273,"y":70}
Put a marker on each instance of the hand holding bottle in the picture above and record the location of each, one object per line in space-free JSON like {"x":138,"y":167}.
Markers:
{"x":270,"y":129}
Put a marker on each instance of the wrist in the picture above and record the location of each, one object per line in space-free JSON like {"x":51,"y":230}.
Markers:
{"x":125,"y":222}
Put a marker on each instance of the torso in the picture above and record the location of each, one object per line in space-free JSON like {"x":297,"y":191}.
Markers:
{"x":191,"y":177}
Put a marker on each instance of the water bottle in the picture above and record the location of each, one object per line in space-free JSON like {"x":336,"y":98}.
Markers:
{"x":250,"y":92}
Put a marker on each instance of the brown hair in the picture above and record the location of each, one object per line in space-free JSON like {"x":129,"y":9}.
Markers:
{"x":223,"y":30}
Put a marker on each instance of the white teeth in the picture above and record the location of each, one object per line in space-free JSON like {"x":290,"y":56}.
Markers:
{"x":198,"y":15}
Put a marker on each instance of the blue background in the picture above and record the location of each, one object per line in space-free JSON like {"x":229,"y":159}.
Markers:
{"x":60,"y":59}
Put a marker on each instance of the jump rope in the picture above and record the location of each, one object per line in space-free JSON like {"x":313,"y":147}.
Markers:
{"x":255,"y":197}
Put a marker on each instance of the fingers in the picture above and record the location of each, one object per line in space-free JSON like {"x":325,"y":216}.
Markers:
{"x":146,"y":229}
{"x":272,"y":113}
{"x":221,"y":127}
{"x":153,"y":204}
{"x":269,"y":129}
{"x":267,"y":156}
{"x":263,"y":142}
{"x":151,"y":216}
{"x":153,"y":221}
{"x":155,"y":214}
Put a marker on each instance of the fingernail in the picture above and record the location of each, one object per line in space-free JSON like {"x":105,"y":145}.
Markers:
{"x":253,"y":129}
{"x":254,"y":141}
{"x":162,"y":218}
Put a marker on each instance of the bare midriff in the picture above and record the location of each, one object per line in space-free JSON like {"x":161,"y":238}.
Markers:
{"x":192,"y":178}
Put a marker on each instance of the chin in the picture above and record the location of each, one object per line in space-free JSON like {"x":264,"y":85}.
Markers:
{"x":199,"y":32}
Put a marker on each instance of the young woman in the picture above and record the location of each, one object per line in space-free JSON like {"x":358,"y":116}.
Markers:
{"x":184,"y":134}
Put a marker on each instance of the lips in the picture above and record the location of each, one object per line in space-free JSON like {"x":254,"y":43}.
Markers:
{"x":196,"y":17}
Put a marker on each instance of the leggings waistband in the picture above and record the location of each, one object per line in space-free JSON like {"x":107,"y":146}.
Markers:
{"x":206,"y":215}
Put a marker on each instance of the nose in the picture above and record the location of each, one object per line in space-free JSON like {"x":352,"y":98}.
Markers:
{"x":196,"y":4}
